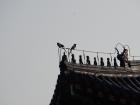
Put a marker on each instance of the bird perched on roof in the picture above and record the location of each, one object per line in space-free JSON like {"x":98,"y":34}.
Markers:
{"x":72,"y":48}
{"x":61,"y":46}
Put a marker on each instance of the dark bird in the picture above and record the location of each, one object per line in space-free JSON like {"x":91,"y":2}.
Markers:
{"x":61,"y":46}
{"x":72,"y":48}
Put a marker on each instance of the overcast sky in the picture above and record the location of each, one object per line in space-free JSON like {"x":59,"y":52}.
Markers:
{"x":29,"y":30}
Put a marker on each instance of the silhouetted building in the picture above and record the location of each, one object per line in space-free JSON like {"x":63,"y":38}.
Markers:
{"x":85,"y":84}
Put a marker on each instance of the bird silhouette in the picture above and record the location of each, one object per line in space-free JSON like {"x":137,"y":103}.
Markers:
{"x":72,"y":48}
{"x":61,"y":46}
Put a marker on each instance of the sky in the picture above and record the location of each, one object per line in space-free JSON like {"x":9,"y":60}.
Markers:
{"x":30,"y":29}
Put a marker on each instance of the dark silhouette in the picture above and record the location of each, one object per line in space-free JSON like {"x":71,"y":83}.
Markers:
{"x":73,"y":59}
{"x":64,"y":57}
{"x":115,"y":62}
{"x":95,"y":62}
{"x":102,"y":62}
{"x":61,"y":46}
{"x":80,"y":88}
{"x":88,"y":61}
{"x":72,"y":48}
{"x":108,"y":62}
{"x":129,"y":64}
{"x":125,"y":52}
{"x":62,"y":64}
{"x":121,"y":57}
{"x":80,"y":60}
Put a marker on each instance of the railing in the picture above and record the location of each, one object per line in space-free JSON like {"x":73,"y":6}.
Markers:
{"x":85,"y":51}
{"x":83,"y":54}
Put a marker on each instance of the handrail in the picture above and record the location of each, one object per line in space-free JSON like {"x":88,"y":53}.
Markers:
{"x":92,"y":51}
{"x":109,"y":53}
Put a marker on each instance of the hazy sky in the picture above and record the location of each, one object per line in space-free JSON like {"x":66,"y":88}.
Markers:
{"x":29,"y":30}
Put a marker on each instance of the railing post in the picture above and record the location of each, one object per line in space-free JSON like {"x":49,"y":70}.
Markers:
{"x":84,"y":56}
{"x":68,"y":56}
{"x":97,"y":58}
{"x":133,"y":58}
{"x":111,"y":58}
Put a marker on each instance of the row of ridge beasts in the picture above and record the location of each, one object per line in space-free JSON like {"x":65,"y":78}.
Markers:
{"x":122,"y":57}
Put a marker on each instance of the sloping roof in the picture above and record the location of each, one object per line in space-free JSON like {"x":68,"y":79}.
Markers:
{"x":106,"y":71}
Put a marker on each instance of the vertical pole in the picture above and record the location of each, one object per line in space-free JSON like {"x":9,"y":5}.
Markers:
{"x":60,"y":55}
{"x":133,"y":58}
{"x":84,"y":56}
{"x":68,"y":55}
{"x":97,"y":57}
{"x":111,"y":58}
